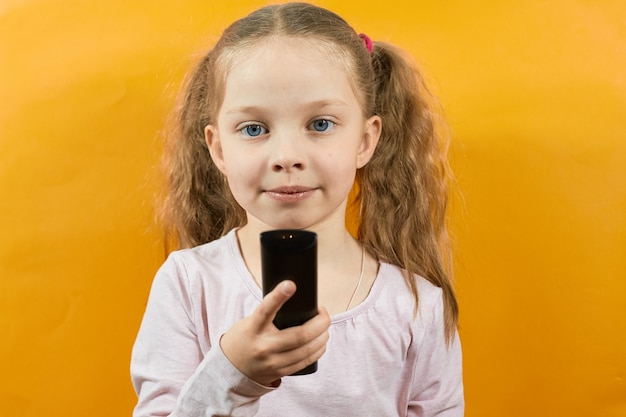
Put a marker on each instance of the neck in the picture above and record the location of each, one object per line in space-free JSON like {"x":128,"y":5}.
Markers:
{"x":332,"y":245}
{"x":339,"y":260}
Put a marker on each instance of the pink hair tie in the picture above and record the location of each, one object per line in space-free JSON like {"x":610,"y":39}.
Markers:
{"x":368,"y":42}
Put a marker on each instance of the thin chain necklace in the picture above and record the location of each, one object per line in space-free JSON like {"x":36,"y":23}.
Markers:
{"x":358,"y":284}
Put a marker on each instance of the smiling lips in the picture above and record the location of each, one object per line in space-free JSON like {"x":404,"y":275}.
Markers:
{"x":290,"y":194}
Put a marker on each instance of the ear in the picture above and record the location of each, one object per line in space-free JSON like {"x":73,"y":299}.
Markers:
{"x":212,"y":139}
{"x":369,"y":140}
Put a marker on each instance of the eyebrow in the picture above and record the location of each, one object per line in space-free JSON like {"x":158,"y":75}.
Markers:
{"x":317,"y":104}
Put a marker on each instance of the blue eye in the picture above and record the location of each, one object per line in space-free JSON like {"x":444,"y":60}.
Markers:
{"x":322,"y":125}
{"x":253,"y":131}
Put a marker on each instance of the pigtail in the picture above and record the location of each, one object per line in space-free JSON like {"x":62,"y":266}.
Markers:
{"x":197,"y":206}
{"x":403,"y":189}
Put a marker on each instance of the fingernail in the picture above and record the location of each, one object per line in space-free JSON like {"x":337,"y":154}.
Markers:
{"x":287,"y":287}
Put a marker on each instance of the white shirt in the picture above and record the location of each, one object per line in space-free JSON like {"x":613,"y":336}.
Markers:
{"x":381,"y":359}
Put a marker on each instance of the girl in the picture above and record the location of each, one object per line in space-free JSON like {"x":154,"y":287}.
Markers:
{"x":280,"y":119}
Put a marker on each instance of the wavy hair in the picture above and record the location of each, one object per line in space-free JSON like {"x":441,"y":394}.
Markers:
{"x":402,"y":191}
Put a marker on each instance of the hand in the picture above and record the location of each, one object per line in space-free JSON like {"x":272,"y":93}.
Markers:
{"x":265,"y":354}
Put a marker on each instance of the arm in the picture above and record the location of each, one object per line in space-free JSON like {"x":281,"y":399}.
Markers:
{"x":437,"y":380}
{"x":171,"y":375}
{"x":254,"y":368}
{"x":170,"y":372}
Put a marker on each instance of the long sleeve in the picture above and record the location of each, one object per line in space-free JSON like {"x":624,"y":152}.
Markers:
{"x":170,"y":372}
{"x":217,"y":388}
{"x":380,"y":360}
{"x":437,"y":379}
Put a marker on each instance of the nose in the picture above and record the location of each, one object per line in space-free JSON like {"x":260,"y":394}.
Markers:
{"x":287,"y":153}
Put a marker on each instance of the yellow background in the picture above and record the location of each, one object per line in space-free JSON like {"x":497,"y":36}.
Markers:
{"x":536,"y":95}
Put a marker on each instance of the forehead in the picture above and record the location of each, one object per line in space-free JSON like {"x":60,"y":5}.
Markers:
{"x":306,"y":67}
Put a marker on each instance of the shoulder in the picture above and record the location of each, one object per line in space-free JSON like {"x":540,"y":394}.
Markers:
{"x":215,"y":248}
{"x":392,"y":303}
{"x":192,"y":269}
{"x":208,"y":256}
{"x":395,"y":285}
{"x":395,"y":298}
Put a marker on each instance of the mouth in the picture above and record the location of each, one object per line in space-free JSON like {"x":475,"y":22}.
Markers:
{"x":290,"y":193}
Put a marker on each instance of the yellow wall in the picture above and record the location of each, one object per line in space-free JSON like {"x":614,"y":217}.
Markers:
{"x":536,"y":94}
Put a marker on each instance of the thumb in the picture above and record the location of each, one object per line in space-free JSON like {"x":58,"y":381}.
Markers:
{"x":273,"y":301}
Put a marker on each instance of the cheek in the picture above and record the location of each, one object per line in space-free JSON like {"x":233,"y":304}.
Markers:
{"x":340,"y":169}
{"x":342,"y":160}
{"x":239,"y":188}
{"x":240,"y":172}
{"x":233,"y":161}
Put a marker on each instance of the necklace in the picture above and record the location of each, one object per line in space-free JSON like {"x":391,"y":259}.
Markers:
{"x":358,"y":284}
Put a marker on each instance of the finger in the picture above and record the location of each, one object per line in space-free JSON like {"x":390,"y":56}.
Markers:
{"x":304,"y":356}
{"x":297,"y":336}
{"x":266,"y":311}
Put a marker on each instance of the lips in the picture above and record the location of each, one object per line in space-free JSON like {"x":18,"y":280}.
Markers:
{"x":290,"y":193}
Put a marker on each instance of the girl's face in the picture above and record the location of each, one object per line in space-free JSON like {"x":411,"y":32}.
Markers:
{"x":290,"y":135}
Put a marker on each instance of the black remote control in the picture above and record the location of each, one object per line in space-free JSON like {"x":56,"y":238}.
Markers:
{"x":291,"y":255}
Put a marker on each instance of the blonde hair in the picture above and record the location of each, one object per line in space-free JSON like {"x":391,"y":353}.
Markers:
{"x":402,"y":190}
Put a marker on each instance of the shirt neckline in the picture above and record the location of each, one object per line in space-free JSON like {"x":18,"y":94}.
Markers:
{"x":257,"y":292}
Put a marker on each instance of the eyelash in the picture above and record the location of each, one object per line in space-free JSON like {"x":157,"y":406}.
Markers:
{"x":244,"y":130}
{"x":328,"y":124}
